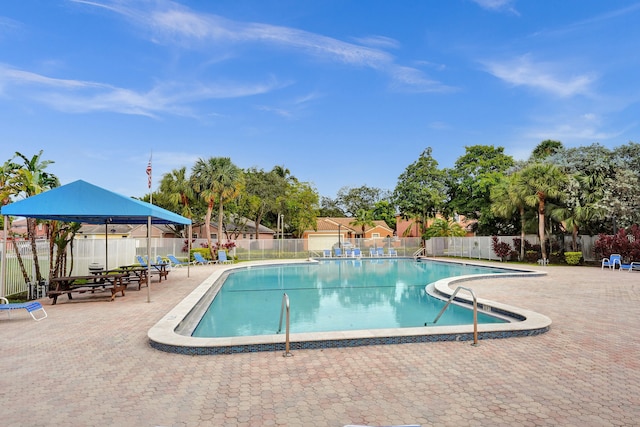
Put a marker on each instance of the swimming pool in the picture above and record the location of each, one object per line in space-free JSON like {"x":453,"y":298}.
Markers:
{"x":173,"y":332}
{"x":336,"y":295}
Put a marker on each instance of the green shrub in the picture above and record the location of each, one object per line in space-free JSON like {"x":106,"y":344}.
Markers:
{"x":573,"y":258}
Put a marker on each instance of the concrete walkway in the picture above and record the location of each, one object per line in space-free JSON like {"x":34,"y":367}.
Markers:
{"x":89,"y":364}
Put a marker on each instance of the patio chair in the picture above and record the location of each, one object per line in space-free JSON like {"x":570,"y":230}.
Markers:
{"x":612,"y":261}
{"x":392,"y":252}
{"x":348,"y":253}
{"x":373,"y":252}
{"x":326,"y":253}
{"x":175,"y":262}
{"x":337,"y":252}
{"x":222,"y":258}
{"x":141,"y":261}
{"x":199,"y":259}
{"x":31,"y":307}
{"x":357,"y":253}
{"x":380,"y":252}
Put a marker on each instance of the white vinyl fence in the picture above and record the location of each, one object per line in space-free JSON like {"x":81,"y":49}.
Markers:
{"x":123,"y":252}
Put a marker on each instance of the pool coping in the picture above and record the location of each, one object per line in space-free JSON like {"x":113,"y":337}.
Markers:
{"x":163,"y":336}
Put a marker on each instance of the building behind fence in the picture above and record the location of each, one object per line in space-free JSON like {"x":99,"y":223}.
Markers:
{"x":124,"y":251}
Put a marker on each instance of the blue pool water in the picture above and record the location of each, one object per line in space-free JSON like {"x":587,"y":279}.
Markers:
{"x":335,"y":295}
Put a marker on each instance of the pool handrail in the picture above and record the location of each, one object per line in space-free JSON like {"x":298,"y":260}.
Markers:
{"x":285,"y":303}
{"x":475,"y":311}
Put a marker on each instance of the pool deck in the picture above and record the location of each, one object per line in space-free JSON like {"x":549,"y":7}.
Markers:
{"x":90,"y":364}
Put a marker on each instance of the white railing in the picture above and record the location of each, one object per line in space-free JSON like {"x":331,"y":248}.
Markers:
{"x":123,"y":251}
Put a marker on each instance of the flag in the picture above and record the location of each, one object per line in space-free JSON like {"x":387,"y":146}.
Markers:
{"x":149,"y":171}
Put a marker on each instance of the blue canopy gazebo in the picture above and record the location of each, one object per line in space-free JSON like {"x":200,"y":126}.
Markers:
{"x":83,"y":202}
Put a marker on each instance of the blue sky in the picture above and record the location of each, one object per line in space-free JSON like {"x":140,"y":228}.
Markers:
{"x":341,"y":92}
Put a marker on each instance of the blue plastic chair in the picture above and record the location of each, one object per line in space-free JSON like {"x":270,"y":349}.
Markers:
{"x":222,"y":258}
{"x":612,"y":261}
{"x":141,"y":261}
{"x":337,"y":252}
{"x":199,"y":259}
{"x":31,"y":307}
{"x":175,"y":262}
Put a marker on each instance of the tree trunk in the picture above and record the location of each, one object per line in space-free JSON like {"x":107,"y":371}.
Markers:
{"x":522,"y":223}
{"x":207,"y":227}
{"x":543,"y":246}
{"x":31,"y":232}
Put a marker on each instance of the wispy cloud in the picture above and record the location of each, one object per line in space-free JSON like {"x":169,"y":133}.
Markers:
{"x":80,"y":96}
{"x":167,"y":22}
{"x":498,"y":5}
{"x":523,"y":71}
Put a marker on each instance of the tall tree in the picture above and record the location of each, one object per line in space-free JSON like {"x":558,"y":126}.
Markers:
{"x":32,"y":179}
{"x":542,"y":181}
{"x":470,"y":183}
{"x":177,"y":189}
{"x":545,"y":149}
{"x":508,"y":198}
{"x":216,"y":179}
{"x":352,"y":199}
{"x":420,"y":191}
{"x":300,"y":207}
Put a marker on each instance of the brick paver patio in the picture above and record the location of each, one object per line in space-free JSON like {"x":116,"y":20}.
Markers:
{"x":89,"y":364}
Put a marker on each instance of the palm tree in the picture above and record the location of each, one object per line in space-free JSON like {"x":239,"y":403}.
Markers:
{"x":175,"y":186}
{"x":443,"y":228}
{"x":216,"y":178}
{"x":32,"y":180}
{"x":363,"y":219}
{"x":582,"y":207}
{"x":542,"y":181}
{"x":508,"y":197}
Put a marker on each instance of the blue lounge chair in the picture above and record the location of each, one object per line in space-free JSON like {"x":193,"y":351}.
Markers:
{"x":373,"y":252}
{"x":199,"y":259}
{"x":348,"y":253}
{"x":31,"y":307}
{"x":326,"y":253}
{"x":337,"y":252}
{"x":222,"y":258}
{"x":380,"y":252}
{"x":141,"y":261}
{"x":175,"y":262}
{"x":357,"y":253}
{"x":612,"y":261}
{"x":392,"y":252}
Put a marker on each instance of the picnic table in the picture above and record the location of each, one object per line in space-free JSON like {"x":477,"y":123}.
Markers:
{"x":98,"y":280}
{"x":135,"y":273}
{"x":160,"y":269}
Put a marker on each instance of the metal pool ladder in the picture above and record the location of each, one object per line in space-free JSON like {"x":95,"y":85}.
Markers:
{"x":475,"y":311}
{"x":285,"y":303}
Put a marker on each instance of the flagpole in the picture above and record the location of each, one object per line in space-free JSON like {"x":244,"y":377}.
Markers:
{"x":149,"y":170}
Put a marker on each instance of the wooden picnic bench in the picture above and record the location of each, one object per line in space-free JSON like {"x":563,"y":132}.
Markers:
{"x":134,"y":273}
{"x":103,"y":280}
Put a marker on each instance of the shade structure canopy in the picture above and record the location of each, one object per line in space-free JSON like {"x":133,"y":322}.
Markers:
{"x":81,"y":201}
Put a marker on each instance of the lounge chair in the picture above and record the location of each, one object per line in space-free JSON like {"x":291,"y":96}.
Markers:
{"x":141,"y":261}
{"x":31,"y":307}
{"x":357,"y":253}
{"x":373,"y":252}
{"x":392,"y":252}
{"x":380,"y":251}
{"x":199,"y":259}
{"x":222,"y":258}
{"x":612,"y":261}
{"x":326,"y":253}
{"x":337,"y":252}
{"x":348,"y":253}
{"x":175,"y":262}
